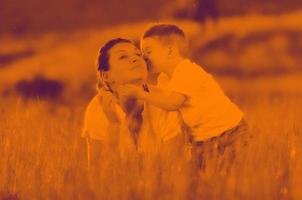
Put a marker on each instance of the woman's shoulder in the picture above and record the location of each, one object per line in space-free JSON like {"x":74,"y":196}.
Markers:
{"x":93,"y":104}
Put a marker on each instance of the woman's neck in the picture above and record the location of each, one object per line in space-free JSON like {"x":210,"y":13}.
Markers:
{"x":128,"y":104}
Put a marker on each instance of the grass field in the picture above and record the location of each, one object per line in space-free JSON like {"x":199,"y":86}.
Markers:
{"x":43,"y":156}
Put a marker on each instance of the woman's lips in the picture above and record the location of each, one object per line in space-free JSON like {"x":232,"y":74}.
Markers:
{"x":134,"y":67}
{"x":137,"y":67}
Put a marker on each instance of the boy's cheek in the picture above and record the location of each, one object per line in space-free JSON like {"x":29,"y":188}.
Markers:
{"x":158,"y":64}
{"x":155,"y":60}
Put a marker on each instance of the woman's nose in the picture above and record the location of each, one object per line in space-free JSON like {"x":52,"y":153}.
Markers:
{"x":135,"y":59}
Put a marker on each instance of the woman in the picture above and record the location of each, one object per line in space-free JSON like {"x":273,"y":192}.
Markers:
{"x":123,"y":127}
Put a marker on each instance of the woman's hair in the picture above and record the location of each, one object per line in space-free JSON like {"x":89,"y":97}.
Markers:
{"x":103,"y":57}
{"x":103,"y":62}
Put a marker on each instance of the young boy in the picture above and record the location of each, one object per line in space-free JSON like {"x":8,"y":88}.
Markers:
{"x":206,"y":111}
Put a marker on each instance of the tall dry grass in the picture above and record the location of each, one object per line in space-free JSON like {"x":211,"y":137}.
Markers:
{"x":43,"y":156}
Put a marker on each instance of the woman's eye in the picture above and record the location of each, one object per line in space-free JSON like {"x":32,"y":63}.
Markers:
{"x":123,"y":57}
{"x":139,"y":54}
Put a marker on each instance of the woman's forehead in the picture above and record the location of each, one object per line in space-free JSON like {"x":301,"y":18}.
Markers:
{"x":123,"y":47}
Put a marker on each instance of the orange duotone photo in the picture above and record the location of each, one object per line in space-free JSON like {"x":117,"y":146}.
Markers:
{"x":185,"y":99}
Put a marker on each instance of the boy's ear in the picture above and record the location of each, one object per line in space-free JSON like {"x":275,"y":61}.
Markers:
{"x":171,"y":50}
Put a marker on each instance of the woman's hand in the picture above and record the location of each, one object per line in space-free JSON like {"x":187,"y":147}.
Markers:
{"x":108,"y":103}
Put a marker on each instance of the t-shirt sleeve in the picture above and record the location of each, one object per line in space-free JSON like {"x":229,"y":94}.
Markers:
{"x":95,"y":121}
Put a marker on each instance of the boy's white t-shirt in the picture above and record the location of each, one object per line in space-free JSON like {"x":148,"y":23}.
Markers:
{"x":208,"y":112}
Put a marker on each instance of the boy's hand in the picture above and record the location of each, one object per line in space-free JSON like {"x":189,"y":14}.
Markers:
{"x":130,"y":90}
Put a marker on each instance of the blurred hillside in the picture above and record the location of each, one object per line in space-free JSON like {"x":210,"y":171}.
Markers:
{"x":251,"y":45}
{"x":36,"y":16}
{"x":53,"y":44}
{"x":246,"y":47}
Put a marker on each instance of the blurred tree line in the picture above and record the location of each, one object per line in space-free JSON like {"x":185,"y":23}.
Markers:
{"x":201,"y":10}
{"x":17,"y":16}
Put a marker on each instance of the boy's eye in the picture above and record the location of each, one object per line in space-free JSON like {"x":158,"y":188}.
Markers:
{"x":139,"y":54}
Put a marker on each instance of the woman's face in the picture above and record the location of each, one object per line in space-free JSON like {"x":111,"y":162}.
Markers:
{"x":126,"y":64}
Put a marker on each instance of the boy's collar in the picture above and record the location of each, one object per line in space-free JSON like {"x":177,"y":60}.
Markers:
{"x":184,"y":60}
{"x":181,"y":62}
{"x":177,"y":62}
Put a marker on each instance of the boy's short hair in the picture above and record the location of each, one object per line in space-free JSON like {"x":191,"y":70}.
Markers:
{"x":168,"y":34}
{"x":162,"y":30}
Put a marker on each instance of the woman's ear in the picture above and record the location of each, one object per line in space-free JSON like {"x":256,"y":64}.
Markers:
{"x":105,"y":76}
{"x":104,"y":81}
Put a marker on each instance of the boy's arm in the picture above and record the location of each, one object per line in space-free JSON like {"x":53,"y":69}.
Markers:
{"x":156,"y":97}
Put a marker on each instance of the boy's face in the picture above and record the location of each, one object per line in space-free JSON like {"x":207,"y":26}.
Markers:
{"x":156,"y":54}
